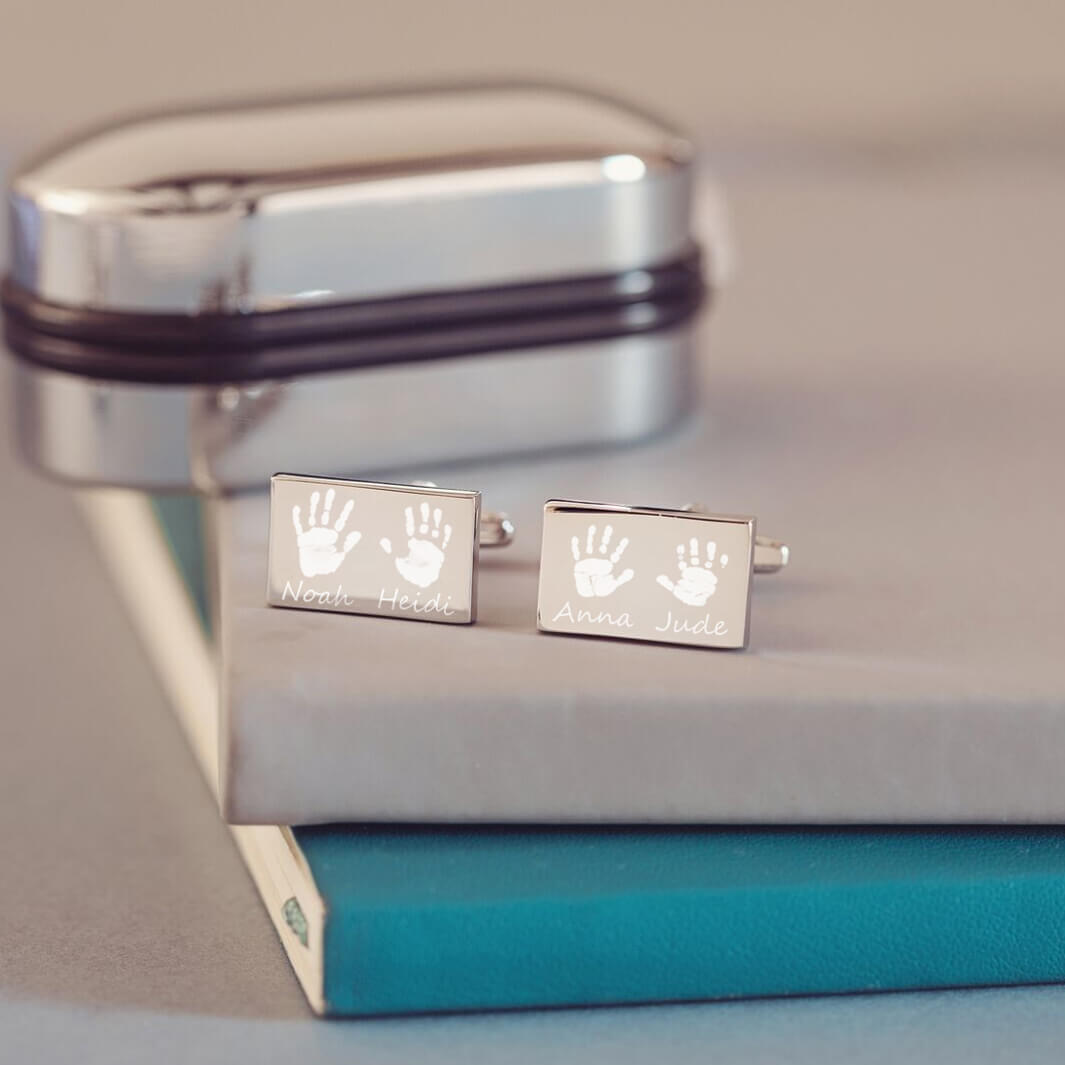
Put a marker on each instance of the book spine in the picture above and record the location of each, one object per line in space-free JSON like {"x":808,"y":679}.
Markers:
{"x":696,"y":945}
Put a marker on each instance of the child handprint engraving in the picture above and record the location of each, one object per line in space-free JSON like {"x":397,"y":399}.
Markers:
{"x":318,"y":545}
{"x":697,"y":581}
{"x":425,"y":552}
{"x":593,"y":574}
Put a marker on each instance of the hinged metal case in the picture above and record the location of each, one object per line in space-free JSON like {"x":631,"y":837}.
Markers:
{"x":350,"y":285}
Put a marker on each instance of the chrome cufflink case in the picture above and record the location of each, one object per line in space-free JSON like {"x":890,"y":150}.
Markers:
{"x":355,"y":284}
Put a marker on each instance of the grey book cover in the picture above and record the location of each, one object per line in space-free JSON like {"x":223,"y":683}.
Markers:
{"x":906,"y":667}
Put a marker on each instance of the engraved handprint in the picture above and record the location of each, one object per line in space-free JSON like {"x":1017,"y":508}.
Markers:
{"x":318,"y":545}
{"x":697,"y":582}
{"x":593,"y":573}
{"x":425,"y":552}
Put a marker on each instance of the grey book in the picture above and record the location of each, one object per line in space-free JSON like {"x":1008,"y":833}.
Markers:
{"x":907,"y":667}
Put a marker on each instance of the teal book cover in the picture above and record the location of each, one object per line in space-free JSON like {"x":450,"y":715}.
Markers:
{"x":436,"y":918}
{"x":456,"y":919}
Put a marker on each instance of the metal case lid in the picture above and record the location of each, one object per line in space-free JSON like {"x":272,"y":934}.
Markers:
{"x":333,"y":201}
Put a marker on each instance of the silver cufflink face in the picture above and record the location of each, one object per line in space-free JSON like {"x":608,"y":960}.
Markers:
{"x":638,"y":573}
{"x":363,"y":547}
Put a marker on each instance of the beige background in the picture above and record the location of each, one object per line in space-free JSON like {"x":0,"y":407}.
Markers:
{"x":938,"y":126}
{"x":817,"y":69}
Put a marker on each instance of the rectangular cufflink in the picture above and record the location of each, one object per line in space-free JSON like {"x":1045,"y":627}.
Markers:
{"x":363,"y":547}
{"x":640,"y":573}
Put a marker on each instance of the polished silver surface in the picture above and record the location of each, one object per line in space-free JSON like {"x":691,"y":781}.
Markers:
{"x":642,"y":573}
{"x":364,"y":547}
{"x":361,"y":422}
{"x":309,"y":203}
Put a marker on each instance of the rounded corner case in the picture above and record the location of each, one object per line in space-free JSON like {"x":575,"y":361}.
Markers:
{"x":188,"y":312}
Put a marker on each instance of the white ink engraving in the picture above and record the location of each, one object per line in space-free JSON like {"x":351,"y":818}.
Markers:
{"x":299,"y":594}
{"x":697,"y":581}
{"x":400,"y":601}
{"x":318,"y":545}
{"x":425,"y":551}
{"x":588,"y":617}
{"x":705,"y":626}
{"x":593,"y":574}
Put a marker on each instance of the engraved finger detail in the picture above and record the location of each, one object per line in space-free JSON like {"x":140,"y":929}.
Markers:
{"x":344,"y":515}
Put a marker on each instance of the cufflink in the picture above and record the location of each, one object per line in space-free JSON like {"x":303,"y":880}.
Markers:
{"x":643,"y":573}
{"x":389,"y":550}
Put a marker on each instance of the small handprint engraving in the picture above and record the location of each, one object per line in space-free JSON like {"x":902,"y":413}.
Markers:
{"x":425,"y":551}
{"x":318,"y":545}
{"x":593,"y":574}
{"x":697,"y":581}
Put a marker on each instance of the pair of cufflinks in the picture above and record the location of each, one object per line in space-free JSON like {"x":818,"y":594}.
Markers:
{"x":411,"y":551}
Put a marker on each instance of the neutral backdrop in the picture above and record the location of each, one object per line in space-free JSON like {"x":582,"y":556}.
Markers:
{"x":816,"y":69}
{"x":127,"y":919}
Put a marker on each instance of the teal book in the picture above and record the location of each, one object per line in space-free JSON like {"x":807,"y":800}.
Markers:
{"x":399,"y":919}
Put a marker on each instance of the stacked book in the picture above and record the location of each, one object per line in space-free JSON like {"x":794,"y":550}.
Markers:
{"x":455,"y":818}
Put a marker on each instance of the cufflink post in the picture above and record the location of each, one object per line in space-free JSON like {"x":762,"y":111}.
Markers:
{"x":770,"y":556}
{"x":496,"y":529}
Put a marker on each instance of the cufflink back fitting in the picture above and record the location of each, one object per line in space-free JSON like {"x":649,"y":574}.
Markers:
{"x":389,"y":550}
{"x":643,"y":573}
